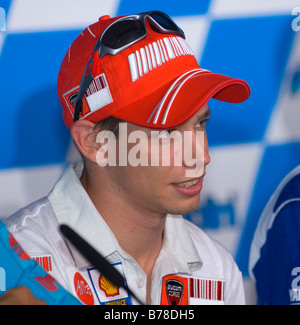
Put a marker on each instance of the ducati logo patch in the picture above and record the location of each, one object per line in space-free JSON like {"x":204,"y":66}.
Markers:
{"x":174,"y":290}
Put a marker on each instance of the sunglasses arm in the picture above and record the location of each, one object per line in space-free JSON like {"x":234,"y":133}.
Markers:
{"x":86,"y":80}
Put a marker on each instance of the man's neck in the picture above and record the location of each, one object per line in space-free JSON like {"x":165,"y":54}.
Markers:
{"x":139,"y":233}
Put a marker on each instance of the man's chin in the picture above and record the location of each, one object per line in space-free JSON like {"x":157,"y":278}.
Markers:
{"x":184,"y":208}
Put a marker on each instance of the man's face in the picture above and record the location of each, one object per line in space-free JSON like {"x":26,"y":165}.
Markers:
{"x":169,"y":186}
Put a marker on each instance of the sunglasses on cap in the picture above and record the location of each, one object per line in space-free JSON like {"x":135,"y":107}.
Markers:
{"x":120,"y":35}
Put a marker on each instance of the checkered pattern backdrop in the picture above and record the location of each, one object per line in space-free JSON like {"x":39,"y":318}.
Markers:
{"x":252,"y":145}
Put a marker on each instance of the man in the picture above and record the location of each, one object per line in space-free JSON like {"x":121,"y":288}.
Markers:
{"x":123,"y":77}
{"x":274,"y":259}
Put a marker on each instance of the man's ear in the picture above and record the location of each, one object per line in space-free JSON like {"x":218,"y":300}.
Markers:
{"x":84,"y":135}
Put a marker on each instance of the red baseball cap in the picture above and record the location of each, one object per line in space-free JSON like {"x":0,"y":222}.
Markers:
{"x":155,"y":83}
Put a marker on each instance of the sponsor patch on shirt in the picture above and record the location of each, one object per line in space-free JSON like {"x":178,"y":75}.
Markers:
{"x":83,"y":290}
{"x":107,"y":293}
{"x":44,"y":261}
{"x":178,"y":290}
{"x":174,"y":290}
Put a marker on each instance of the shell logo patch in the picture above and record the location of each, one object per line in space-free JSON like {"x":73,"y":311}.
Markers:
{"x":106,"y":292}
{"x":109,"y":289}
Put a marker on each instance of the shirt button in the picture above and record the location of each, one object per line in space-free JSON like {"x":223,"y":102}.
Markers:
{"x":140,"y":282}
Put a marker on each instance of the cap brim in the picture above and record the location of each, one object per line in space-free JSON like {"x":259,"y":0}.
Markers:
{"x":191,"y":97}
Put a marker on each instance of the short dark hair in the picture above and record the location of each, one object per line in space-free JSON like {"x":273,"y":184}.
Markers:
{"x":111,"y":123}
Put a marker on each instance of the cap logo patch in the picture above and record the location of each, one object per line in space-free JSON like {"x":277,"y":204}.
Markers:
{"x":155,"y":54}
{"x":98,"y":94}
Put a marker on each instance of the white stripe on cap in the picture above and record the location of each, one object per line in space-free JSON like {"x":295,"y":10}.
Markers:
{"x":164,"y":50}
{"x":148,"y":57}
{"x":177,"y":84}
{"x":133,"y":67}
{"x":152,"y":56}
{"x":170,"y":51}
{"x":156,"y":54}
{"x":161,"y":52}
{"x":144,"y":60}
{"x":137,"y":53}
{"x":176,"y":92}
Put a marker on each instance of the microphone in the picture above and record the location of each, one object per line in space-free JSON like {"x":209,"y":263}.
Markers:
{"x":97,"y":260}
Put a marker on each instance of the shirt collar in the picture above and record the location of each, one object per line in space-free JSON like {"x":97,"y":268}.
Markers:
{"x":73,"y":207}
{"x":179,"y":246}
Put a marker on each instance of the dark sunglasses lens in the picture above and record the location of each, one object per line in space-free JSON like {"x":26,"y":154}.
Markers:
{"x":122,"y":33}
{"x":165,"y":22}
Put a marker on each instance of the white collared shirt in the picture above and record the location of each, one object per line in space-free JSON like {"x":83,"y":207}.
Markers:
{"x":191,"y":267}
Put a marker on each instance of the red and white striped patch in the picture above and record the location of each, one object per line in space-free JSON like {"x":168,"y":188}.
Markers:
{"x":206,"y":289}
{"x":44,"y":262}
{"x":96,"y":85}
{"x":98,"y":94}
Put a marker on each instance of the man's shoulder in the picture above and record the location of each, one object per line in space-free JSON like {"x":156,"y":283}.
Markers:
{"x":36,"y":229}
{"x":32,"y":214}
{"x":33,"y":224}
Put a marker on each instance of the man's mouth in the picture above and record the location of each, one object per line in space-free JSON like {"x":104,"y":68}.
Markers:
{"x":190,"y":187}
{"x":189,"y":183}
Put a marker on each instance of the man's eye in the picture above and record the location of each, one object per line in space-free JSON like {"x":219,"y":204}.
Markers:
{"x":203,"y":123}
